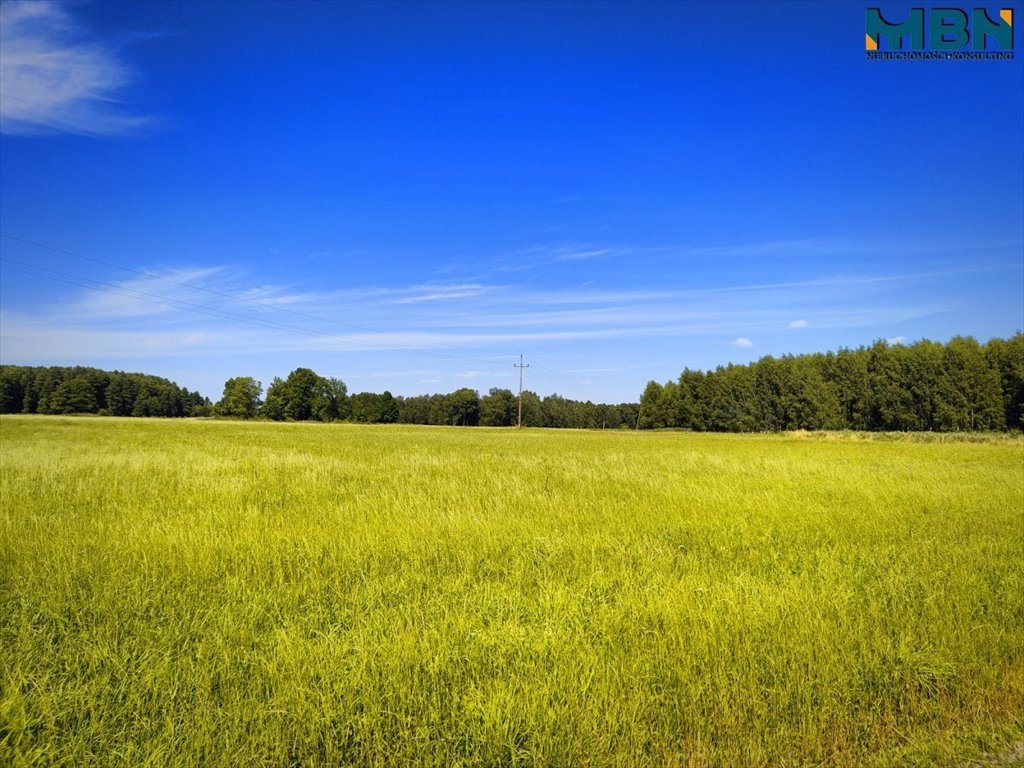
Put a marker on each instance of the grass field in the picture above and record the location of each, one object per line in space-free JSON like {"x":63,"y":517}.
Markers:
{"x":230,"y":594}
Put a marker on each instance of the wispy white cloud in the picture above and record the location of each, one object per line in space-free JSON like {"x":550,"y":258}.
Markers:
{"x":541,"y":255}
{"x":475,"y":317}
{"x":581,"y":254}
{"x":54,"y":80}
{"x":788,"y":248}
{"x":441,"y":293}
{"x":38,"y":340}
{"x":158,"y":293}
{"x":535,"y":256}
{"x":896,"y":340}
{"x":464,"y":331}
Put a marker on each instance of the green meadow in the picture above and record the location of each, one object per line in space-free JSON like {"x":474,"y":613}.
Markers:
{"x":204,"y":593}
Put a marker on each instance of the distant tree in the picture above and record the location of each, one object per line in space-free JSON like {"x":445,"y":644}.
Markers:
{"x":1006,"y":358}
{"x":627,"y":413}
{"x":30,"y":398}
{"x":74,"y":396}
{"x":922,"y":386}
{"x":148,"y":405}
{"x":388,"y":408}
{"x":498,"y":408}
{"x":437,"y":410}
{"x":669,"y":406}
{"x":413,"y":410}
{"x":121,"y":394}
{"x":302,"y":386}
{"x":809,"y":401}
{"x":731,"y":401}
{"x":691,"y":398}
{"x":533,"y":411}
{"x":463,"y":407}
{"x":196,"y":404}
{"x":303,"y":396}
{"x":849,"y":374}
{"x":968,"y":393}
{"x":363,"y":408}
{"x":331,"y":401}
{"x":896,"y":401}
{"x":557,"y":412}
{"x":373,"y":408}
{"x":770,"y":390}
{"x":12,"y":389}
{"x":28,"y":389}
{"x":47,"y":381}
{"x":274,"y":406}
{"x":607,"y":416}
{"x":241,"y":397}
{"x":650,"y":406}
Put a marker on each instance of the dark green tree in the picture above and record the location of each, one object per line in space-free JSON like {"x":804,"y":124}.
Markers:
{"x":968,"y":394}
{"x":121,"y":394}
{"x":303,"y":396}
{"x":241,"y":397}
{"x":331,"y":401}
{"x":413,"y":410}
{"x":371,"y":408}
{"x":650,"y":406}
{"x":533,"y":411}
{"x":498,"y":408}
{"x":849,"y":373}
{"x":274,"y":406}
{"x":74,"y":396}
{"x":463,"y":407}
{"x":12,"y":389}
{"x":1006,"y":358}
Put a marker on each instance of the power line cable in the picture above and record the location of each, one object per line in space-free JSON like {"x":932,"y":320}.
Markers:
{"x":116,"y":289}
{"x":556,"y":377}
{"x":104,"y":287}
{"x":245,"y":300}
{"x":165,"y":301}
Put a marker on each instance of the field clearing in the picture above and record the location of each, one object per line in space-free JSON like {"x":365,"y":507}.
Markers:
{"x":254,"y":594}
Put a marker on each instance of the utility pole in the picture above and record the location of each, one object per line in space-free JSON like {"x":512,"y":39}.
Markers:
{"x":520,"y":366}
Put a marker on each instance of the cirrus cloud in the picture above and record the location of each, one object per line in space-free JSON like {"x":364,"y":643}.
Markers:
{"x":53,"y":80}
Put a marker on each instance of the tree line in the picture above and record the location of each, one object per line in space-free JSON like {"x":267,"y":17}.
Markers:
{"x":926,"y":386}
{"x":303,"y":396}
{"x":306,"y":396}
{"x":61,"y":390}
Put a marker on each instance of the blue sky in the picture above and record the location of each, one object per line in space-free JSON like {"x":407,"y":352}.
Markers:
{"x":408,"y":196}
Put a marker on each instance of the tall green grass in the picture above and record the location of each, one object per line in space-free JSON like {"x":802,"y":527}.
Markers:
{"x":231,"y":594}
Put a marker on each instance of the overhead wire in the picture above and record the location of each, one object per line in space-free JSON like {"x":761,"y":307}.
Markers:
{"x":104,"y":287}
{"x":554,"y":376}
{"x":246,"y":300}
{"x":113,"y":288}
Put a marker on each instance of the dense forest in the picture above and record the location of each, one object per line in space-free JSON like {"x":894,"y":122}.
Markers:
{"x":90,"y":390}
{"x":925,"y":386}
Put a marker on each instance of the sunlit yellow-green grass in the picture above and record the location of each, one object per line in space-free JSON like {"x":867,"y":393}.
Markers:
{"x":231,"y":594}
